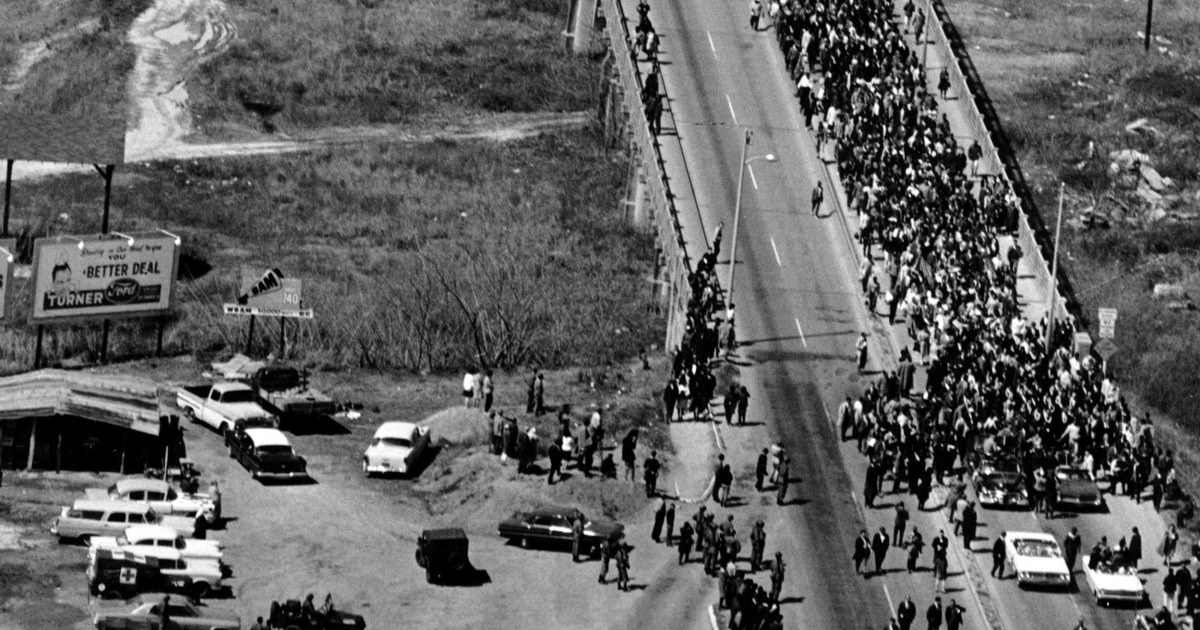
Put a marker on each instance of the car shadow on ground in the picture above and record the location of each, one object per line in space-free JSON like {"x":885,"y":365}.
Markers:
{"x":472,"y":576}
{"x":302,"y":481}
{"x":314,"y":425}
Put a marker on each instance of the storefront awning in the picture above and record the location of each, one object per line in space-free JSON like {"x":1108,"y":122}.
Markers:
{"x":123,"y":401}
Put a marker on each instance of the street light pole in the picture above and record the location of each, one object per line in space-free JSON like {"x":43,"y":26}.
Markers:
{"x":737,"y":221}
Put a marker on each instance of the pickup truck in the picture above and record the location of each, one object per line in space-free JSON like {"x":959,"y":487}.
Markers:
{"x":285,"y":391}
{"x":220,"y":406}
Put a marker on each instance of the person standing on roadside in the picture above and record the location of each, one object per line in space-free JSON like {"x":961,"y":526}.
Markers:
{"x":468,"y":389}
{"x":933,"y":614}
{"x":777,"y":571}
{"x":970,"y":522}
{"x":941,"y":564}
{"x":755,"y":13}
{"x":743,"y":401}
{"x":489,"y":391}
{"x":862,"y":551}
{"x":685,"y":542}
{"x":530,"y":391}
{"x":730,"y":403}
{"x":760,"y":471}
{"x":1170,"y":539}
{"x":900,"y":523}
{"x":861,"y":348}
{"x":539,"y":396}
{"x":670,"y":523}
{"x":954,"y":615}
{"x":605,"y":555}
{"x":906,"y":613}
{"x":783,"y":480}
{"x":916,"y":545}
{"x":758,"y":544}
{"x":660,"y":515}
{"x":670,"y":396}
{"x":1135,"y":548}
{"x":818,"y":198}
{"x":576,"y":537}
{"x":879,"y":546}
{"x":629,"y":453}
{"x":556,"y":458}
{"x":623,"y":565}
{"x":943,"y":83}
{"x":651,"y":467}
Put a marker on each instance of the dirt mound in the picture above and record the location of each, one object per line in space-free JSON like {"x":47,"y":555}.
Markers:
{"x":475,"y":491}
{"x":459,"y":426}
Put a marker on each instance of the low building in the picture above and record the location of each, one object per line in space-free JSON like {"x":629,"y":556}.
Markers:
{"x":57,"y":419}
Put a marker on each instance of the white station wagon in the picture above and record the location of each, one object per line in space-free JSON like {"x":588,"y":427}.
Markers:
{"x":159,"y":494}
{"x":162,"y":537}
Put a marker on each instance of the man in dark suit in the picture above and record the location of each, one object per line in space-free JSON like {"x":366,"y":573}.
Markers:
{"x":933,"y":615}
{"x":879,"y":545}
{"x":862,"y":550}
{"x":906,"y":613}
{"x":954,"y":616}
{"x":1071,"y":545}
{"x":999,"y":555}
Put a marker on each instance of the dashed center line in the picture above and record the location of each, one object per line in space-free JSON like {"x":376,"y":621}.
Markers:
{"x":710,"y":43}
{"x":801,"y":331}
{"x":753,"y":180}
{"x":776,"y":250}
{"x":731,"y":112}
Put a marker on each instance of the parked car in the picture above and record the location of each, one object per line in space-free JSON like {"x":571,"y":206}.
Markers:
{"x":220,"y":405}
{"x":1077,"y":488}
{"x":159,"y":495}
{"x":1115,"y":581}
{"x":285,"y":391}
{"x":165,"y":537}
{"x":143,"y":612}
{"x":88,"y":518}
{"x":204,"y":574}
{"x":443,"y":553}
{"x":1036,"y":559}
{"x":552,"y":526}
{"x":396,"y":447}
{"x":290,"y":614}
{"x":114,"y":573}
{"x":266,"y":453}
{"x":999,"y":483}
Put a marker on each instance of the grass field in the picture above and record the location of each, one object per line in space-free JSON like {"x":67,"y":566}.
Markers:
{"x":414,"y":257}
{"x":89,"y":59}
{"x":1066,"y":74}
{"x":325,"y":63}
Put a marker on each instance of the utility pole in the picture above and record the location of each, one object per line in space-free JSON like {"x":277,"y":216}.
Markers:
{"x":1149,"y":22}
{"x":737,"y":216}
{"x":1054,"y":270}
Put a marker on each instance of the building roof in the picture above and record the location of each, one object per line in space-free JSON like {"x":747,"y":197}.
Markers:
{"x":123,"y":401}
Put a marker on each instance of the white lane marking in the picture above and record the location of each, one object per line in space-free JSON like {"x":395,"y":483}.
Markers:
{"x":776,"y":250}
{"x":801,"y":331}
{"x":888,"y":595}
{"x":731,"y":112}
{"x":711,"y":44}
{"x":712,"y":618}
{"x":753,"y":180}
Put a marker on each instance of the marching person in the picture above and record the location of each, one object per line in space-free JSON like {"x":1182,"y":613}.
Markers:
{"x":862,"y":551}
{"x":861,"y":348}
{"x":660,"y":515}
{"x":783,"y":480}
{"x":760,"y":471}
{"x":777,"y":569}
{"x":685,"y":542}
{"x":900,"y":523}
{"x":879,"y":545}
{"x":623,"y":565}
{"x":1071,"y":546}
{"x":818,"y":197}
{"x":670,"y":523}
{"x":999,"y":556}
{"x":941,"y":564}
{"x":906,"y":613}
{"x":933,"y":614}
{"x":605,"y":554}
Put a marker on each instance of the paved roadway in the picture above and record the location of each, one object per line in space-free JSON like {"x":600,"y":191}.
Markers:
{"x":799,"y":312}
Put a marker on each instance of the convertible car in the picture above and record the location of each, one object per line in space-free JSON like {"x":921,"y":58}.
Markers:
{"x":1000,"y":484}
{"x":552,"y":526}
{"x":1114,"y":582}
{"x":144,"y":611}
{"x":1036,"y":559}
{"x":1077,"y":489}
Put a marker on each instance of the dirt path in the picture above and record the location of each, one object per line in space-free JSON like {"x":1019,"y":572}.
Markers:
{"x":172,"y":38}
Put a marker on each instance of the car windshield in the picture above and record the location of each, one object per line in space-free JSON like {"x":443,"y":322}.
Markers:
{"x":392,"y":441}
{"x":1037,"y":549}
{"x":112,"y":490}
{"x":1072,"y":473}
{"x":275,"y":449}
{"x":238,"y":396}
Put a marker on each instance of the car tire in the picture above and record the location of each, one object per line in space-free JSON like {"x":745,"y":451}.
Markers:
{"x":420,"y":559}
{"x":85,"y":540}
{"x":201,"y":590}
{"x":524,"y":542}
{"x":456,"y":561}
{"x":191,"y":415}
{"x":430,"y":577}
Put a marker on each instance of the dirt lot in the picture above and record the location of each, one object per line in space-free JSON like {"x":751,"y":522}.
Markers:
{"x":354,"y":537}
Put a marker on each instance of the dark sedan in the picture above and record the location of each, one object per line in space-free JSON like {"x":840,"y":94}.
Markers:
{"x":552,"y":526}
{"x":1077,"y":489}
{"x":1000,"y":484}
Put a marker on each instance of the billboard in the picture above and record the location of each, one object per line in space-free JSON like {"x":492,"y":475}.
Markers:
{"x":269,"y":294}
{"x":101,"y":277}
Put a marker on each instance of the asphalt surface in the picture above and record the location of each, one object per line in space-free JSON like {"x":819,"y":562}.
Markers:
{"x":799,"y":312}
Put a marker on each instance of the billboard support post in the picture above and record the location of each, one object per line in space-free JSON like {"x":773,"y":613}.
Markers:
{"x":104,"y":343}
{"x":7,"y":194}
{"x":250,"y":336}
{"x":107,"y":174}
{"x":162,"y":324}
{"x":282,"y":338}
{"x":37,"y":353}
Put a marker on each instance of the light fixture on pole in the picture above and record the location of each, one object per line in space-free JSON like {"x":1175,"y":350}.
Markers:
{"x":737,"y":214}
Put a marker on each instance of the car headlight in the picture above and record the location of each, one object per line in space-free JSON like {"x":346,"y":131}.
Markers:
{"x":1022,"y":575}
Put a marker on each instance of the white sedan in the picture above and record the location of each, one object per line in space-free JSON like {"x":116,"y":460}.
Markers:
{"x":160,"y":495}
{"x":164,"y":537}
{"x":395,"y":448}
{"x":1036,"y":559}
{"x":1114,"y":582}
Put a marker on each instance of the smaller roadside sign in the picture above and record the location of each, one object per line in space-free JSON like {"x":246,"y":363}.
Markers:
{"x":238,"y":309}
{"x":1106,"y":348}
{"x":1108,"y":322}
